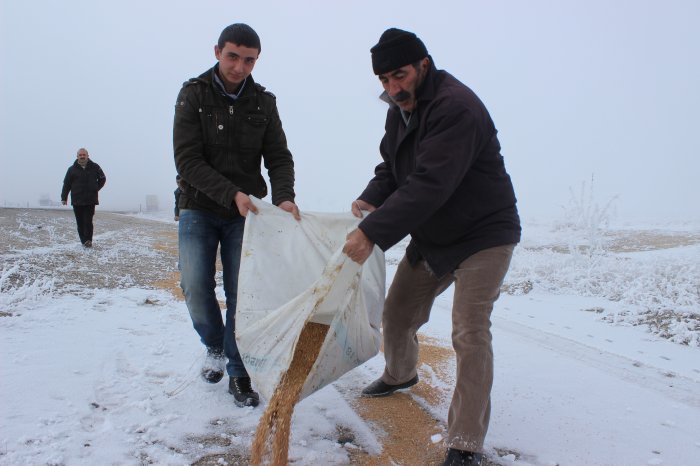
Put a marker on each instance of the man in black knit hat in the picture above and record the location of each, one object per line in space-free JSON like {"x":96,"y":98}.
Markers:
{"x":443,"y":181}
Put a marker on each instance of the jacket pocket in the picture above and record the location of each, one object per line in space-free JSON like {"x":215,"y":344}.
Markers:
{"x":256,"y":120}
{"x":253,"y":131}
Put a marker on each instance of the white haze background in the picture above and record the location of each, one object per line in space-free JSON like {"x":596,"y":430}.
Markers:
{"x":596,"y":349}
{"x":576,"y":89}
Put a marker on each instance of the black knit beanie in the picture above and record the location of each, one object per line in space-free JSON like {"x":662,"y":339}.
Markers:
{"x":396,"y":48}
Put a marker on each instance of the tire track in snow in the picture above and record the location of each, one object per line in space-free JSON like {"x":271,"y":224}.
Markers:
{"x":675,"y":386}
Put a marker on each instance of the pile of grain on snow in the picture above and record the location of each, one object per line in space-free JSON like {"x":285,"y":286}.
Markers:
{"x":271,"y":443}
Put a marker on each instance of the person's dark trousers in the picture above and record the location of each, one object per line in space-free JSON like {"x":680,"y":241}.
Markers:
{"x":83,"y":217}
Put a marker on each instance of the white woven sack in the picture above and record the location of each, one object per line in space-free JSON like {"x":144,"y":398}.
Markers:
{"x":293,"y":272}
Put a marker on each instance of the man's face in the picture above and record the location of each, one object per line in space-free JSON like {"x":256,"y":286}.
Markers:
{"x":236,"y":62}
{"x":401,"y":84}
{"x":83,"y":156}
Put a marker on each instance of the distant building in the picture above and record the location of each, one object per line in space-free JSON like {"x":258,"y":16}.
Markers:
{"x":151,"y":203}
{"x":45,"y":201}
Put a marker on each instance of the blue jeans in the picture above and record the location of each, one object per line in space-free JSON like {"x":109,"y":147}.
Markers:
{"x":199,"y":235}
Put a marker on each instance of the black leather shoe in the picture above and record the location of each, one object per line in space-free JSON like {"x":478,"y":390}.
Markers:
{"x":379,"y":388}
{"x":463,"y":458}
{"x":214,"y":365}
{"x":243,"y":394}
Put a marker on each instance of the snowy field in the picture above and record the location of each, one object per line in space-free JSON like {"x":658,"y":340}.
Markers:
{"x":596,"y":340}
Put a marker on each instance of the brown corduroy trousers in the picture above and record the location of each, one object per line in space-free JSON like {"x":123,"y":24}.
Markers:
{"x":477,"y":281}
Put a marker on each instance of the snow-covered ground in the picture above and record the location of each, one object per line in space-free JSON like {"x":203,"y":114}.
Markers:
{"x":597,"y":351}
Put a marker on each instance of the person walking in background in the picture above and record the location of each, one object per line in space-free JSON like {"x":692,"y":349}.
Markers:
{"x":443,"y":181}
{"x":225,"y":125}
{"x":177,"y":198}
{"x":83,"y":181}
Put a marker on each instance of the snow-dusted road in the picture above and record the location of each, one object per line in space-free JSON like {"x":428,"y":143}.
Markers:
{"x":109,"y":375}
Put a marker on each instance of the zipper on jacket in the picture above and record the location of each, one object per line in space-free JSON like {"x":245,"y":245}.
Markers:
{"x":230,"y":109}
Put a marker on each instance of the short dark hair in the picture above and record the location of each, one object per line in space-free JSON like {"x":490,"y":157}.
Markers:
{"x":240,"y":34}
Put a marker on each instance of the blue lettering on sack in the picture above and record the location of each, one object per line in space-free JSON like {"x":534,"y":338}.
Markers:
{"x":252,"y":363}
{"x":341,"y":337}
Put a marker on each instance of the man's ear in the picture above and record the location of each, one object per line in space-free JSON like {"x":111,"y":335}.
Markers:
{"x":217,"y":52}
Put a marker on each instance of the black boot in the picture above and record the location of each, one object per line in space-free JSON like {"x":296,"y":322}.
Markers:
{"x":463,"y":458}
{"x":243,"y":394}
{"x":379,"y":388}
{"x":214,"y":365}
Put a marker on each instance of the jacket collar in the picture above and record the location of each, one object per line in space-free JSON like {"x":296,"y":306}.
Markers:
{"x":427,"y":89}
{"x":88,"y":163}
{"x":208,"y":77}
{"x":218,"y":83}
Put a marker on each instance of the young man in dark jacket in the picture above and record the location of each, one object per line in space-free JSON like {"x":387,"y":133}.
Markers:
{"x":83,"y":180}
{"x":443,"y":181}
{"x":225,"y":125}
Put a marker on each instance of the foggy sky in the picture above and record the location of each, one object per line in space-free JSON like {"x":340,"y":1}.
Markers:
{"x":577,"y":89}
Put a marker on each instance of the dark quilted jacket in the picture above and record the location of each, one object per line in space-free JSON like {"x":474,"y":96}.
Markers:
{"x":219,"y":144}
